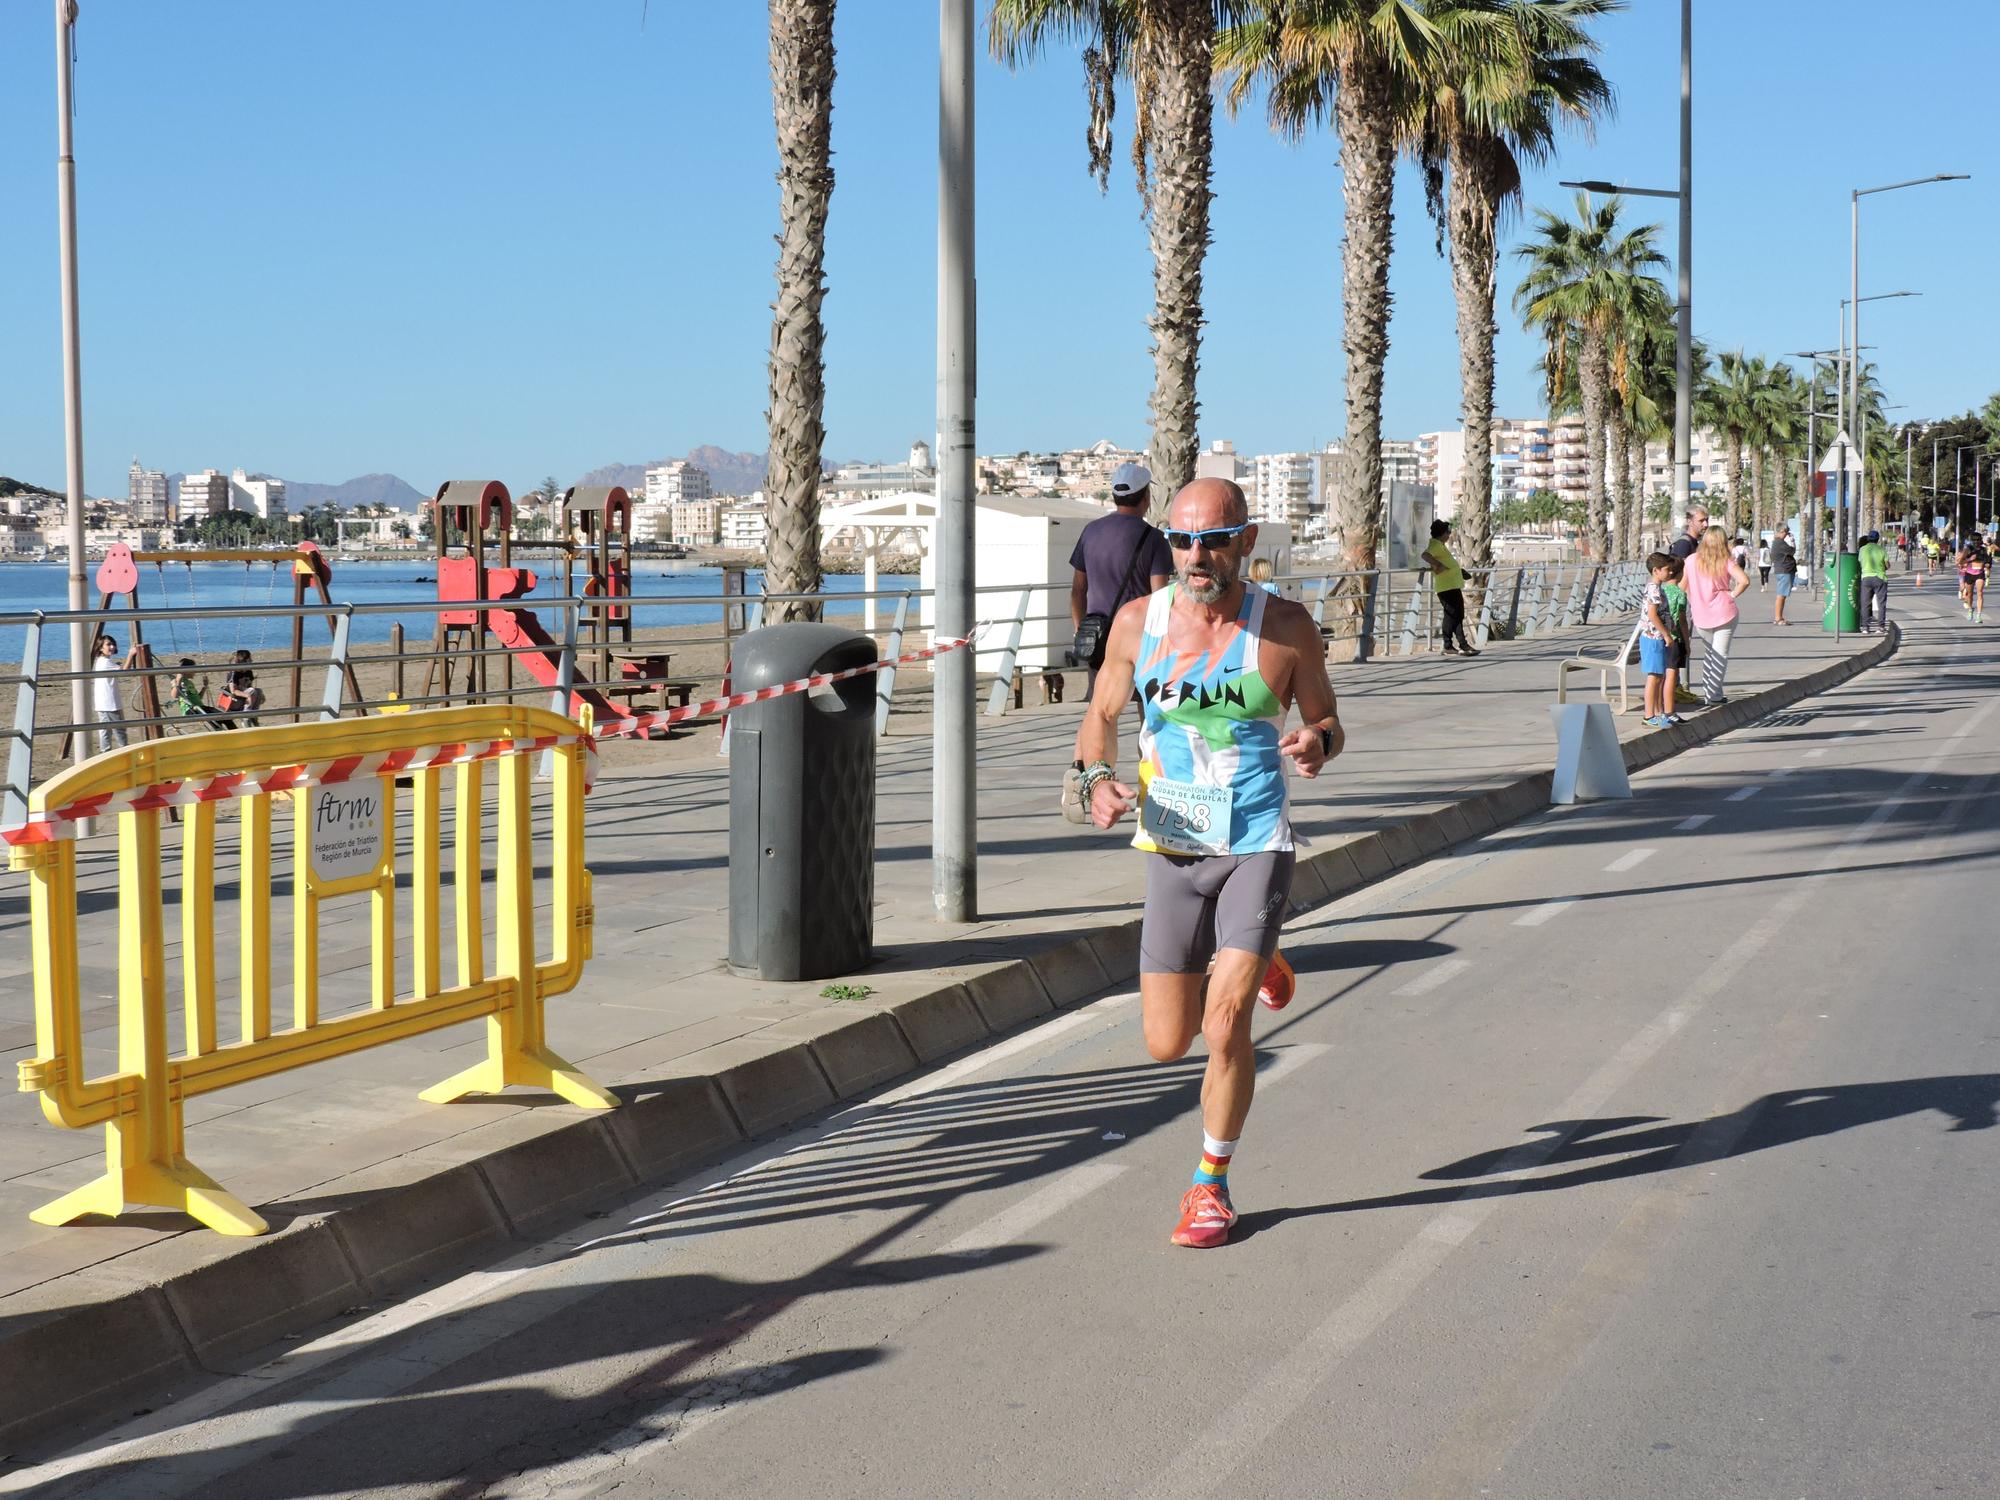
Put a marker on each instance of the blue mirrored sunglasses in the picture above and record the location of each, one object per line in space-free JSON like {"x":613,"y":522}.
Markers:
{"x":1219,"y":536}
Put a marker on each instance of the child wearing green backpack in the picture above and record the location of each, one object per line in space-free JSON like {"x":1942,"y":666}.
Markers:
{"x":1677,"y":648}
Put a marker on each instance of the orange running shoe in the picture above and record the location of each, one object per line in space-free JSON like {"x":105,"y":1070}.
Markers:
{"x":1275,"y":993}
{"x":1205,"y":1217}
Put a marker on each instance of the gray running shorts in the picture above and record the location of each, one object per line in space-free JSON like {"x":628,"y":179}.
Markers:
{"x":1196,"y":904}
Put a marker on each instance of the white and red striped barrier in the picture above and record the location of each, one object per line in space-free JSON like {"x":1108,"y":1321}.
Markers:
{"x":60,"y":822}
{"x":639,"y":723}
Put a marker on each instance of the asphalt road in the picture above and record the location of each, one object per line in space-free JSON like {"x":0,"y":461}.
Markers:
{"x":1644,"y":1150}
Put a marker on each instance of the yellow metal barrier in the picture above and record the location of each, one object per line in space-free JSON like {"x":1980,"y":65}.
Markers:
{"x":340,"y":777}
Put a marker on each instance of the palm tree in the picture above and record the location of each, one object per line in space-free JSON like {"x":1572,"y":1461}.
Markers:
{"x":1588,"y":275}
{"x":1646,"y":402}
{"x":1355,"y":60}
{"x":1782,"y":427}
{"x":1494,"y":109}
{"x":802,"y":104}
{"x":1729,"y":397}
{"x":1166,"y":49}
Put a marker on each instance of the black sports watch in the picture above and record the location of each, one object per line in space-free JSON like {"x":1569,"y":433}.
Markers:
{"x":1325,"y":739}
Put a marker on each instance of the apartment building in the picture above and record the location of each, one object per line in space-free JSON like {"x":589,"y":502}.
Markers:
{"x":264,"y":496}
{"x":676,"y":481}
{"x":1287,"y":487}
{"x":697,"y":523}
{"x":146,"y":494}
{"x":745,"y":527}
{"x":203,"y":494}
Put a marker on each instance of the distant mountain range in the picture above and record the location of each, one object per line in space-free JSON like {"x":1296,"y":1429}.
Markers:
{"x":369,"y":489}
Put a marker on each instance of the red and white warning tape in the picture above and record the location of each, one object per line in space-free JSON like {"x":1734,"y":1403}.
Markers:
{"x":60,"y":822}
{"x":639,"y":723}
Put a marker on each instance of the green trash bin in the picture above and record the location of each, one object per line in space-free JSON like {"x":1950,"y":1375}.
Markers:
{"x":1843,"y":573}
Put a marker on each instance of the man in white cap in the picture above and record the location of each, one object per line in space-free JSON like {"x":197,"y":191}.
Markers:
{"x":1118,"y":558}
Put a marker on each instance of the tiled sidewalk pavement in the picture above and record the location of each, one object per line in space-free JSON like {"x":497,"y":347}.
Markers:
{"x":707,"y":1057}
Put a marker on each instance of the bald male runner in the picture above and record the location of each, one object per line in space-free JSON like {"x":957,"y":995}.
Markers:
{"x":1218,"y":664}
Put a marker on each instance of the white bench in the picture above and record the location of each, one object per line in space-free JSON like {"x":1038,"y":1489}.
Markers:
{"x":1604,"y":667}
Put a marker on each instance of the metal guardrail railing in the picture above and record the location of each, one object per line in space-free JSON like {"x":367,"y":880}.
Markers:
{"x":565,"y":661}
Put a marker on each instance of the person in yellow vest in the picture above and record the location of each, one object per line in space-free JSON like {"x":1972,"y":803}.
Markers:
{"x":1874,"y":560}
{"x":1448,"y":578}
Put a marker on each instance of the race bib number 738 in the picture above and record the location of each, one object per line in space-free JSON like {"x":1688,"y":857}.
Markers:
{"x":1182,"y":817}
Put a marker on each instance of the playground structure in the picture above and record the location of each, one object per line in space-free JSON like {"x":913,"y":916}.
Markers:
{"x":118,"y":579}
{"x":473,"y":523}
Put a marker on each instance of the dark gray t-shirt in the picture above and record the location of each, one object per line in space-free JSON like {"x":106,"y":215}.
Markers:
{"x":1104,"y":556}
{"x":1684,"y":547}
{"x":1784,"y":557}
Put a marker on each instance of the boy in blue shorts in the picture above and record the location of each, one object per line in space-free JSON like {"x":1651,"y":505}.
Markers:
{"x":1656,"y":640}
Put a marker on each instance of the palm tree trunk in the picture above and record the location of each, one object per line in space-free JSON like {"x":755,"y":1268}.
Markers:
{"x":1758,"y":460}
{"x":1727,"y":515}
{"x":1472,"y":210}
{"x":802,"y":103}
{"x":1595,"y":371}
{"x":1181,"y":117}
{"x":1621,"y":470}
{"x":1364,"y":117}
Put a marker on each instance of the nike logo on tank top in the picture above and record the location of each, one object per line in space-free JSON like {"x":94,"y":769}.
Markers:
{"x":1211,"y":780}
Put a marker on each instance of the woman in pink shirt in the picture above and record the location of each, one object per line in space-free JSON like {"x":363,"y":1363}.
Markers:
{"x":1713,"y":581}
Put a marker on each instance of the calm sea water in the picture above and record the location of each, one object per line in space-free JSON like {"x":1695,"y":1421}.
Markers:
{"x":32,"y":586}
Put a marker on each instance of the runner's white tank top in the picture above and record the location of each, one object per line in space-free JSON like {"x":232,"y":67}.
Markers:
{"x":1211,"y":780}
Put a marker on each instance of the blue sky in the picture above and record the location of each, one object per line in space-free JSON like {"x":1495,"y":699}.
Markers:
{"x":471,"y":237}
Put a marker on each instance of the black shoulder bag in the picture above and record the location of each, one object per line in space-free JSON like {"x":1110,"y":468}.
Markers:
{"x":1094,"y":630}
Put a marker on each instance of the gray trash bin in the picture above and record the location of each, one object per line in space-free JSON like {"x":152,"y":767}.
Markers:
{"x":802,"y":807}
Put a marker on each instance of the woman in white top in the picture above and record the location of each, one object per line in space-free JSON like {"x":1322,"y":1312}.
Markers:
{"x":1763,"y":565}
{"x":104,"y":697}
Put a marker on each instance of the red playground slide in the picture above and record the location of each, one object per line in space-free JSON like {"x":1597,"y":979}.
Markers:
{"x":541,"y":656}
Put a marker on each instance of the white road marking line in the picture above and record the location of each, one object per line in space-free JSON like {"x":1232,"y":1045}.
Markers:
{"x":1542,"y":913}
{"x":1215,"y":1453}
{"x":1289,"y":1060}
{"x":1742,"y":794}
{"x":1442,"y":972}
{"x":1689,"y":825}
{"x":1631,"y":859}
{"x":1779,"y":772}
{"x":1045,"y":1202}
{"x":1815,"y":754}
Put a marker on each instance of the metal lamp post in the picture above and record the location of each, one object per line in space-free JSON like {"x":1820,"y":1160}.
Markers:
{"x":1854,"y":296}
{"x":954,"y":784}
{"x":79,"y":600}
{"x":1683,"y":274}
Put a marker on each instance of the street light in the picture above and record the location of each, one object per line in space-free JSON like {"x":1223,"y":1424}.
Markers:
{"x":1854,"y":296}
{"x":1684,"y":295}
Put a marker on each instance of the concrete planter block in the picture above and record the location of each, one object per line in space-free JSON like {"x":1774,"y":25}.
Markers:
{"x":1008,"y":995}
{"x":672,"y":1126}
{"x":1117,"y":949}
{"x":1070,"y":971}
{"x":407,"y":1222}
{"x":767,"y":1083}
{"x":72,"y":1347}
{"x":857,"y":1048}
{"x":557,"y":1172}
{"x":285,"y":1280}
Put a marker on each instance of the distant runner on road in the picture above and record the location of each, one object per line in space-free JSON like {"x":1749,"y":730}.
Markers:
{"x":1217,"y":665}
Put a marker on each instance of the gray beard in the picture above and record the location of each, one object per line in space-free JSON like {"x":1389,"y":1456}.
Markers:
{"x":1209,"y":592}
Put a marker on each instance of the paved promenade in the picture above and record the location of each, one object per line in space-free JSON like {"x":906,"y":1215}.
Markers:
{"x":1439,"y":750}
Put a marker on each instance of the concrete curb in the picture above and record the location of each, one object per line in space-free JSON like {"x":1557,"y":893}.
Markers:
{"x":71,"y":1349}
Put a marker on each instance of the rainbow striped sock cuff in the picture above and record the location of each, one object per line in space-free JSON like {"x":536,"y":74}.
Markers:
{"x":1213,"y":1169}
